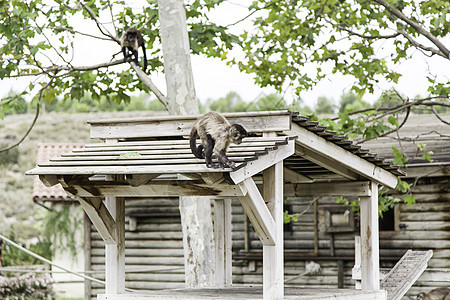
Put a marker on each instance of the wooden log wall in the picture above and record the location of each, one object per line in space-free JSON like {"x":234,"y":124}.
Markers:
{"x":154,"y":247}
{"x":427,"y":227}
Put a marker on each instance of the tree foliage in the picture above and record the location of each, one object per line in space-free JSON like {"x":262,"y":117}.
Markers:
{"x":343,"y":37}
{"x":38,"y":40}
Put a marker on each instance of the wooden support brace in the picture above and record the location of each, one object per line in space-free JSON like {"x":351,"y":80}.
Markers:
{"x":257,"y":212}
{"x":264,"y":162}
{"x":370,"y":250}
{"x":100,"y":217}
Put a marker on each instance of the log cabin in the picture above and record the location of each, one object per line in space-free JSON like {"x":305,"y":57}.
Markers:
{"x":314,"y":176}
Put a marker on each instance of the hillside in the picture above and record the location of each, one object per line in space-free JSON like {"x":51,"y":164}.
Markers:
{"x":18,"y":213}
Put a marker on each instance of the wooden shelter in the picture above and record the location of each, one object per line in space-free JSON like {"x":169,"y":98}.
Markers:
{"x":144,"y":158}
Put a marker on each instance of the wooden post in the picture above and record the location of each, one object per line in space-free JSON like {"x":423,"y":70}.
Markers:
{"x":356,"y":271}
{"x":87,"y":256}
{"x":222,"y":234}
{"x":273,"y":256}
{"x":115,"y":253}
{"x":370,"y":251}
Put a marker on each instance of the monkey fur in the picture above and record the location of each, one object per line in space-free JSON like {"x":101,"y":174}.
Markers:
{"x":130,"y":42}
{"x":215,"y":134}
{"x":442,"y":293}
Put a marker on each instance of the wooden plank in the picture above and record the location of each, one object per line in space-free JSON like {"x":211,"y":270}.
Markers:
{"x":87,"y":247}
{"x":250,"y":293}
{"x":257,"y":211}
{"x":356,"y":271}
{"x":253,"y":167}
{"x":273,"y":256}
{"x":219,"y":240}
{"x":184,"y":141}
{"x":100,"y":217}
{"x":342,"y":157}
{"x":132,"y":162}
{"x":370,"y":250}
{"x":326,"y":163}
{"x":156,"y":155}
{"x":405,"y":273}
{"x":228,"y":241}
{"x":181,"y":126}
{"x":117,"y":170}
{"x":115,"y":253}
{"x":294,"y":177}
{"x":432,"y":171}
{"x":231,"y":151}
{"x":156,"y":189}
{"x":346,"y":189}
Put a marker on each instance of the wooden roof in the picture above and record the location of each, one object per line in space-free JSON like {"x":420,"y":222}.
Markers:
{"x":424,"y":129}
{"x":159,"y":145}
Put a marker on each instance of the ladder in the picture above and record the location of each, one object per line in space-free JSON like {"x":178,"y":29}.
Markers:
{"x":403,"y":275}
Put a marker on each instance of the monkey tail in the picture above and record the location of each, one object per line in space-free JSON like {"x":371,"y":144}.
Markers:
{"x":145,"y":57}
{"x":197,"y":151}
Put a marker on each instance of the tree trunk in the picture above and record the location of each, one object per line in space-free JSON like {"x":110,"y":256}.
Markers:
{"x":198,"y":238}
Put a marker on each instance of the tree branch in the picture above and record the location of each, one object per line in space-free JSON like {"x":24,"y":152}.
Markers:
{"x":438,"y":116}
{"x":149,"y":84}
{"x":36,"y":115}
{"x":415,"y":26}
{"x":93,"y":17}
{"x":367,"y":37}
{"x":419,"y":45}
{"x":79,"y":32}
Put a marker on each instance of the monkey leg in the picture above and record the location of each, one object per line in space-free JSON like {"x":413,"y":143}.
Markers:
{"x":135,"y":54}
{"x":200,"y":150}
{"x":208,"y":151}
{"x":223,"y":159}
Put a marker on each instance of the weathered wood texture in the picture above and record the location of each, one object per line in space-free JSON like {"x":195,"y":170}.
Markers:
{"x":154,"y":248}
{"x":427,"y":227}
{"x":252,"y":293}
{"x":403,"y":275}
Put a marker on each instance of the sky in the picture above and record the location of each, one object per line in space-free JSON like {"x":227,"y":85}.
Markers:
{"x":214,"y":79}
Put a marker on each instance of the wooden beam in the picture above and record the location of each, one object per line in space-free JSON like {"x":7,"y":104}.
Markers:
{"x":263,"y":162}
{"x":257,"y":212}
{"x":123,"y":170}
{"x":341,"y":157}
{"x":326,"y":162}
{"x":370,"y":249}
{"x":139,"y":179}
{"x":294,"y":177}
{"x":49,"y":180}
{"x":156,"y":189}
{"x":181,"y":125}
{"x":273,"y":256}
{"x":346,"y":189}
{"x":100,"y":217}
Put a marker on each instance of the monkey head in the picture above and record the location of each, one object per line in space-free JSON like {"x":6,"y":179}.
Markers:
{"x":237,"y":133}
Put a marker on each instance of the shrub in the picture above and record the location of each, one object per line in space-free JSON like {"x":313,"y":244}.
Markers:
{"x":27,"y":286}
{"x":9,"y":157}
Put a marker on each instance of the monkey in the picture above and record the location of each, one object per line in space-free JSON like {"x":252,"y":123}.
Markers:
{"x":442,"y":293}
{"x":130,"y":42}
{"x":216,"y":134}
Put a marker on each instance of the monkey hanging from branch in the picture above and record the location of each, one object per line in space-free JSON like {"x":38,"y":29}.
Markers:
{"x":215,"y":134}
{"x":130,"y":42}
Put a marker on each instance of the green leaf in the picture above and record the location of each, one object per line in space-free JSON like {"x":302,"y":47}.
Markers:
{"x":393,"y":120}
{"x":409,"y":200}
{"x":132,"y":154}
